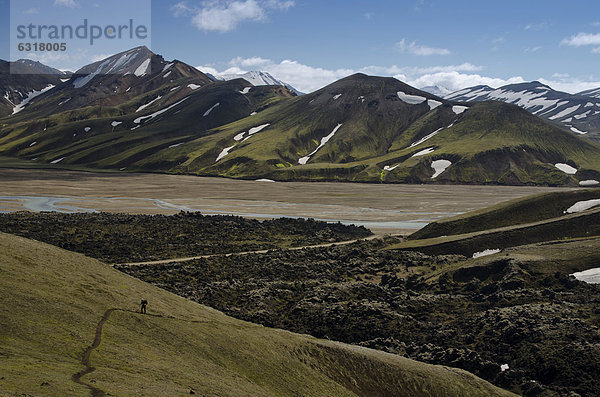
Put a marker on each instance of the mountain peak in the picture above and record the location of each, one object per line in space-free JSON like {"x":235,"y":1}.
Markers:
{"x":257,"y":78}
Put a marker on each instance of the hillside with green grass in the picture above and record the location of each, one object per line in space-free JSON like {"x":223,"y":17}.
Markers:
{"x":515,"y":212}
{"x":361,"y":128}
{"x":56,"y":304}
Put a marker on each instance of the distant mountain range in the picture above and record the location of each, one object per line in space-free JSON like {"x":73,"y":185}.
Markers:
{"x":135,"y":111}
{"x":437,"y":90}
{"x":579,"y":113}
{"x":258,"y":78}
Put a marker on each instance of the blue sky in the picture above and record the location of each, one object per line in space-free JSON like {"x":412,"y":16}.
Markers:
{"x":423,"y":42}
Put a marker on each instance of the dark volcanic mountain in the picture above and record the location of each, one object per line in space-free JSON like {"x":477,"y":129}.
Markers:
{"x":579,"y":113}
{"x":22,"y":81}
{"x":136,"y":112}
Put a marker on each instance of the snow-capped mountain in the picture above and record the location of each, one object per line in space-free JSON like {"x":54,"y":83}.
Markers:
{"x":437,"y":90}
{"x":577,"y":112}
{"x":258,"y":78}
{"x":594,"y":93}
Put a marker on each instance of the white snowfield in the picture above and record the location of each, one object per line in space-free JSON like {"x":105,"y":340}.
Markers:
{"x":575,"y":130}
{"x":582,"y":206}
{"x":174,"y":88}
{"x":440,"y":166}
{"x":254,"y":130}
{"x":504,"y":367}
{"x":565,"y":112}
{"x":566,"y":168}
{"x":87,"y":129}
{"x":148,"y":104}
{"x":589,"y":182}
{"x":224,"y":153}
{"x":324,"y":140}
{"x":116,"y":123}
{"x":155,"y":114}
{"x":390,"y":168}
{"x":82,"y":81}
{"x":57,"y":161}
{"x":486,"y":253}
{"x":265,"y":180}
{"x":65,"y":101}
{"x":426,"y":137}
{"x":239,"y":136}
{"x":245,"y":90}
{"x":29,"y":98}
{"x":337,"y":96}
{"x":167,"y":67}
{"x":33,"y":144}
{"x":591,"y":276}
{"x":251,"y":132}
{"x":167,"y":74}
{"x":424,"y":152}
{"x":194,"y":87}
{"x":211,"y":109}
{"x":458,"y":109}
{"x":142,"y":70}
{"x":411,"y":99}
{"x":535,"y":102}
{"x":433,"y":104}
{"x":175,"y":145}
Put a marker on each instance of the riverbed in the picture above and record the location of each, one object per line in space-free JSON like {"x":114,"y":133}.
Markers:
{"x":384,"y":208}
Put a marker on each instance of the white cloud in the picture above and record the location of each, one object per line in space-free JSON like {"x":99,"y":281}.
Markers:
{"x":225,"y":15}
{"x":181,"y":8}
{"x":532,"y":49}
{"x":31,"y":11}
{"x":498,"y":39}
{"x":596,"y":50}
{"x":249,"y":62}
{"x":369,"y":15}
{"x":455,"y":81}
{"x":66,"y":3}
{"x":566,"y":83}
{"x":421,"y":50}
{"x":308,"y":78}
{"x":582,"y":39}
{"x":419,"y":5}
{"x":537,"y":26}
{"x":596,"y":23}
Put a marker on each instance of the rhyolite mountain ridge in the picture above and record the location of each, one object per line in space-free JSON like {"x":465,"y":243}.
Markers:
{"x":135,"y":111}
{"x":579,"y":113}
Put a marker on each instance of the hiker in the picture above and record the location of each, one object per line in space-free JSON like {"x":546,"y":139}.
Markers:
{"x":143,"y":306}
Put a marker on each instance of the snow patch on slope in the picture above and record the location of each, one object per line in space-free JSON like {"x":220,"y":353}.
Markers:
{"x":582,"y":206}
{"x":224,"y":153}
{"x":155,"y":114}
{"x":142,"y":70}
{"x":439,"y":166}
{"x":211,"y":109}
{"x":324,"y":140}
{"x":148,"y":104}
{"x":566,"y":168}
{"x":411,"y":99}
{"x":29,"y":98}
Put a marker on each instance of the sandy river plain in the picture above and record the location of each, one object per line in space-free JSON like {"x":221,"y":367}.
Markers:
{"x":384,"y":208}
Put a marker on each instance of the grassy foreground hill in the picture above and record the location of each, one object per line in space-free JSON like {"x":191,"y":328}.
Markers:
{"x":55,"y":303}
